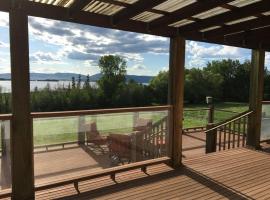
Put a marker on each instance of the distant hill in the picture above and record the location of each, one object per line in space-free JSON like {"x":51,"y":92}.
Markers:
{"x":68,"y":77}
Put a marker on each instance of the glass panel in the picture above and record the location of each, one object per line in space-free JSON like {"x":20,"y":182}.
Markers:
{"x":5,"y":160}
{"x":265,"y":130}
{"x":195,"y":118}
{"x":72,"y":146}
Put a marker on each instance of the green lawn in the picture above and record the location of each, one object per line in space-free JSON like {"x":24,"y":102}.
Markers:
{"x":199,"y":117}
{"x":60,"y":130}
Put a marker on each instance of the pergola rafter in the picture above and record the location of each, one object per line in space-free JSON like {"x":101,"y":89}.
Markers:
{"x":247,"y":25}
{"x":157,"y":19}
{"x":226,"y":17}
{"x":135,"y":9}
{"x":187,"y":12}
{"x":194,"y":21}
{"x":79,"y":5}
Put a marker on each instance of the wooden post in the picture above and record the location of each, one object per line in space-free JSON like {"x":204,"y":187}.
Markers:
{"x":176,"y":97}
{"x":209,"y":101}
{"x":211,"y":139}
{"x":136,"y":116}
{"x":21,"y":133}
{"x":255,"y":98}
{"x":81,"y":130}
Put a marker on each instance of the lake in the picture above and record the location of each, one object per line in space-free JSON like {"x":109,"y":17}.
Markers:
{"x":6,"y":85}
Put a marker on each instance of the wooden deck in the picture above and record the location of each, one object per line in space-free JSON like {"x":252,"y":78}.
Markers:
{"x":233,"y":174}
{"x":57,"y":163}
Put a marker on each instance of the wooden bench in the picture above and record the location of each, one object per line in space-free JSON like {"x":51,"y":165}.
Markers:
{"x":6,"y":193}
{"x":106,"y":172}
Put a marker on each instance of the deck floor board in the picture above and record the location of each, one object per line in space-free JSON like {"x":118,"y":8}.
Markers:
{"x":234,"y":174}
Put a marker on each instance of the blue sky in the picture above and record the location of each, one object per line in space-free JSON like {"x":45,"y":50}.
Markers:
{"x":65,"y":47}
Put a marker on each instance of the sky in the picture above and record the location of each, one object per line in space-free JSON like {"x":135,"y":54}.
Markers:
{"x":57,"y":46}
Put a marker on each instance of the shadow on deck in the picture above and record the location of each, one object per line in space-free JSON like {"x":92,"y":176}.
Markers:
{"x":73,"y":160}
{"x":233,"y":174}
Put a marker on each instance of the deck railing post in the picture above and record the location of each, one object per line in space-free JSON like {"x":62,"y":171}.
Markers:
{"x":176,"y":97}
{"x":22,"y":168}
{"x":256,"y":97}
{"x":81,"y":130}
{"x":211,"y":139}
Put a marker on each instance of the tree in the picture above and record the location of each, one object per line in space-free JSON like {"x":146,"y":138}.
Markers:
{"x":200,"y":83}
{"x":73,"y":82}
{"x":113,"y":77}
{"x":235,"y":86}
{"x":159,"y":87}
{"x":79,"y":81}
{"x":87,"y":82}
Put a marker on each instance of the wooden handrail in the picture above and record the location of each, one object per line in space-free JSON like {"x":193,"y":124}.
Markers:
{"x":194,"y":110}
{"x":228,"y":111}
{"x":235,"y":118}
{"x":99,"y":111}
{"x":5,"y":117}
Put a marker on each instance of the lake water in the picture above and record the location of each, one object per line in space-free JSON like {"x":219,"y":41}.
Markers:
{"x":6,"y":85}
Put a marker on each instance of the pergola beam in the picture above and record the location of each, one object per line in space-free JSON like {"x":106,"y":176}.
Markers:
{"x":186,"y":12}
{"x":60,"y":13}
{"x":78,"y":5}
{"x":135,"y":9}
{"x":229,"y":29}
{"x":257,"y":34}
{"x":93,"y":19}
{"x":235,"y":14}
{"x":127,"y":5}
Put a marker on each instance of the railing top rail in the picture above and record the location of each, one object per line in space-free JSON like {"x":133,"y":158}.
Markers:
{"x":228,"y":111}
{"x":98,"y":111}
{"x":5,"y":117}
{"x":244,"y":114}
{"x":199,"y":109}
{"x":265,"y":102}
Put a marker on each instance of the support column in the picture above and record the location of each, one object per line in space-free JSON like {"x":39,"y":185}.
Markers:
{"x":176,"y":96}
{"x":21,"y":134}
{"x":256,"y":97}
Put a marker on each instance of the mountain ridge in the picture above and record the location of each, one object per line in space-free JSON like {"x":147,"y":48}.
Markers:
{"x":68,"y":77}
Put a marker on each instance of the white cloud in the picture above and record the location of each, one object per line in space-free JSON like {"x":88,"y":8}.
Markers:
{"x":4,"y":45}
{"x":86,"y":43}
{"x":148,"y":38}
{"x":198,"y":54}
{"x":267,"y":60}
{"x":140,"y":69}
{"x":4,"y":21}
{"x":45,"y":58}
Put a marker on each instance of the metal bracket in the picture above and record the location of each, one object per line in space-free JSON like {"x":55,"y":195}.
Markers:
{"x":144,"y":169}
{"x":113,"y":177}
{"x":76,"y":186}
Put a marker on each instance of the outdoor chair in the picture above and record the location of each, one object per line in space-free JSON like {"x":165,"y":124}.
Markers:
{"x":120,"y":148}
{"x":130,"y":146}
{"x":93,"y":135}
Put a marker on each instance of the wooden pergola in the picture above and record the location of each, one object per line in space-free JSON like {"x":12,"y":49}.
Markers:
{"x":240,"y":23}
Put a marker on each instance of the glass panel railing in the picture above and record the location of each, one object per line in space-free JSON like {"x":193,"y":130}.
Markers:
{"x":67,"y":146}
{"x":5,"y":159}
{"x":265,"y":127}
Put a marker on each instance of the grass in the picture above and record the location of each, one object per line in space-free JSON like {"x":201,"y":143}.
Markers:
{"x":61,"y":130}
{"x":199,"y":117}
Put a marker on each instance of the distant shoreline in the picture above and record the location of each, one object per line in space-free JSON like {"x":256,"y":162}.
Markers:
{"x":46,"y":80}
